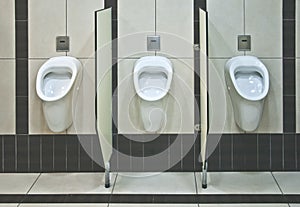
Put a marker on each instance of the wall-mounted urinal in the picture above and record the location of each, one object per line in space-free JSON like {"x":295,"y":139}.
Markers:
{"x":152,"y":77}
{"x":56,"y":81}
{"x":247,"y":81}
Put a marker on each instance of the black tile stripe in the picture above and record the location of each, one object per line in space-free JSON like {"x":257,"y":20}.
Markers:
{"x":21,"y":45}
{"x":289,"y":50}
{"x":150,"y":198}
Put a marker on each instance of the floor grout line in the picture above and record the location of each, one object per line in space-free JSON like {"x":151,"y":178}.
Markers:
{"x":113,"y":188}
{"x":34,"y":183}
{"x":277,"y":183}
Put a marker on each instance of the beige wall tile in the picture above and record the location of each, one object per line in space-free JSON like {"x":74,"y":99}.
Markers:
{"x":7,"y":94}
{"x":180,"y":102}
{"x":47,"y":19}
{"x":175,"y":26}
{"x":7,"y":29}
{"x":297,"y":95}
{"x":37,"y":123}
{"x":263,"y":21}
{"x":225,"y":23}
{"x":80,"y":26}
{"x":84,"y":103}
{"x":222,"y":118}
{"x":136,"y":20}
{"x":298,"y":29}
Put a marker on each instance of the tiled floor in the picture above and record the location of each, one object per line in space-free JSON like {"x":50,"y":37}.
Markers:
{"x":277,"y":183}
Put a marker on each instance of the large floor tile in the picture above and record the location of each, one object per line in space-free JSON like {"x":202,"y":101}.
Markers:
{"x":18,"y":183}
{"x":238,"y":183}
{"x":64,"y":205}
{"x":152,"y":205}
{"x":147,"y":183}
{"x":289,"y":182}
{"x":244,"y":205}
{"x":75,"y":183}
{"x":295,"y":205}
{"x":9,"y":205}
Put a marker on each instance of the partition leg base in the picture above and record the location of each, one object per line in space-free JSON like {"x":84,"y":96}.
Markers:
{"x":107,"y":176}
{"x":204,"y":175}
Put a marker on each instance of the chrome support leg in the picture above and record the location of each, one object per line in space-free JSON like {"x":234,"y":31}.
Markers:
{"x":204,"y":175}
{"x":107,"y":175}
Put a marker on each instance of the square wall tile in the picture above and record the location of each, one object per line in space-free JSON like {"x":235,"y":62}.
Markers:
{"x":297,"y":95}
{"x":37,"y":122}
{"x":7,"y":28}
{"x":263,"y":21}
{"x":7,"y":94}
{"x":181,"y":94}
{"x":136,"y":20}
{"x":174,"y":24}
{"x":47,"y":19}
{"x":297,"y":29}
{"x":81,"y":28}
{"x":221,"y":115}
{"x":84,"y":101}
{"x":225,"y":23}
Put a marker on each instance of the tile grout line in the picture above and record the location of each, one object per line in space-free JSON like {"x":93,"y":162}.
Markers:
{"x":113,"y":188}
{"x":34,"y":183}
{"x":277,"y":183}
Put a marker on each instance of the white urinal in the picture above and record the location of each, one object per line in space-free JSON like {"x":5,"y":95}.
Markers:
{"x":247,"y":81}
{"x":152,"y":77}
{"x":56,"y":81}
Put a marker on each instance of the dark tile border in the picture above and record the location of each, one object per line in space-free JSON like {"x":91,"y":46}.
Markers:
{"x":150,"y":198}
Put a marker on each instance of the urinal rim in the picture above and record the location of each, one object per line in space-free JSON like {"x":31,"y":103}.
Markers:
{"x":143,"y":65}
{"x":73,"y":64}
{"x":248,"y":61}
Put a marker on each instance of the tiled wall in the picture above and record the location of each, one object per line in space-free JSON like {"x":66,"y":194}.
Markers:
{"x":136,"y":20}
{"x":297,"y":66}
{"x":266,"y":150}
{"x":48,"y":19}
{"x":265,"y":27}
{"x":7,"y":67}
{"x":22,"y":152}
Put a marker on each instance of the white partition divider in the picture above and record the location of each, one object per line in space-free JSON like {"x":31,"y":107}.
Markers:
{"x":203,"y":90}
{"x":104,"y":85}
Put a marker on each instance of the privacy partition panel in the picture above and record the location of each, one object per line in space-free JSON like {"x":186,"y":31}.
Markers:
{"x":104,"y":83}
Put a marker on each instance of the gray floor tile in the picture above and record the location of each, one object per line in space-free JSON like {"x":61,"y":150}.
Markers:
{"x":16,"y":183}
{"x":75,"y":183}
{"x":289,"y":182}
{"x":238,"y":183}
{"x":64,"y":205}
{"x":147,"y":183}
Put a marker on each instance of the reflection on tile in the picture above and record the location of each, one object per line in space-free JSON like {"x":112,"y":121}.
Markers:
{"x":80,"y":27}
{"x":7,"y":94}
{"x":244,"y":205}
{"x":47,"y":19}
{"x":239,"y":183}
{"x":152,"y":205}
{"x":63,"y":205}
{"x":223,"y":28}
{"x":151,"y":183}
{"x":134,"y":26}
{"x":75,"y":183}
{"x":289,"y":182}
{"x":7,"y":27}
{"x":261,"y":23}
{"x":16,"y":183}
